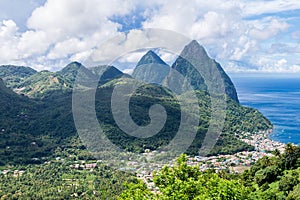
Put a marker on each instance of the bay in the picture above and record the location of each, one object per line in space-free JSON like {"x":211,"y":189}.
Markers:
{"x":278,"y":98}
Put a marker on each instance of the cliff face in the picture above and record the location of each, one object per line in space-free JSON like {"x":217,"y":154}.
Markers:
{"x":193,"y":63}
{"x":194,"y":57}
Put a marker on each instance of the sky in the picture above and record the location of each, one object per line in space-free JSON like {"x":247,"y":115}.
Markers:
{"x":244,"y":36}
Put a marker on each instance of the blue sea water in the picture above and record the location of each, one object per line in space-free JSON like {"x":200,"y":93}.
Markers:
{"x":278,"y":98}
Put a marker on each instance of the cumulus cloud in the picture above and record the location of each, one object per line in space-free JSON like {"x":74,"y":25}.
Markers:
{"x":136,"y":42}
{"x":271,"y":27}
{"x":61,"y":31}
{"x":275,"y":64}
{"x":79,"y":17}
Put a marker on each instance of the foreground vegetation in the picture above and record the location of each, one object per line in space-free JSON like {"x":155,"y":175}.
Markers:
{"x":276,"y":177}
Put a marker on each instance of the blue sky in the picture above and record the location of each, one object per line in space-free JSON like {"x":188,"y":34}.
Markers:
{"x":244,"y":36}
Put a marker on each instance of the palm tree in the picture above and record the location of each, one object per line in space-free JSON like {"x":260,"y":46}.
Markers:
{"x":276,"y":153}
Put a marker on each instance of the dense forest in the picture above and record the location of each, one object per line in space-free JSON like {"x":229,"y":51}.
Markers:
{"x":40,"y":116}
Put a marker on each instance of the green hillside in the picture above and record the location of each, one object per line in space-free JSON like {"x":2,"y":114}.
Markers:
{"x":70,"y":71}
{"x":13,"y":75}
{"x":41,"y":118}
{"x":18,"y":144}
{"x":43,"y":84}
{"x":239,"y":119}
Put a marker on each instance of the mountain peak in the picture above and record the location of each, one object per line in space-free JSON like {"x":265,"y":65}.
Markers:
{"x":194,"y":48}
{"x":193,"y":60}
{"x":106,"y":73}
{"x":70,"y":71}
{"x":151,"y":69}
{"x":151,"y":57}
{"x":73,"y":65}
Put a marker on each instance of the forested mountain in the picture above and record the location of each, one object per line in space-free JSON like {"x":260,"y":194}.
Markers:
{"x":106,"y":73}
{"x":70,"y":71}
{"x":13,"y":75}
{"x":42,"y":112}
{"x":18,"y":145}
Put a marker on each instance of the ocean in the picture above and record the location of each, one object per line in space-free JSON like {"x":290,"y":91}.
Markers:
{"x":278,"y":98}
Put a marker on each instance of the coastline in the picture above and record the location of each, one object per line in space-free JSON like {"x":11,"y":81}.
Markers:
{"x":243,"y":160}
{"x":262,"y":142}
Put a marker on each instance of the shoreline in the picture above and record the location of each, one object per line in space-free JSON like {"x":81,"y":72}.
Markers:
{"x":242,"y":160}
{"x":262,"y":141}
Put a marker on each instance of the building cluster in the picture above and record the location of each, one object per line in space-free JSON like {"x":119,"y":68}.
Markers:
{"x":262,"y":142}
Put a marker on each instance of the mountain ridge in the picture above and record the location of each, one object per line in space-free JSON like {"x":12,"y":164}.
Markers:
{"x":50,"y":121}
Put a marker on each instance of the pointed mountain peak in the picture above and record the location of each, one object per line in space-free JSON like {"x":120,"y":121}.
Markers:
{"x":70,"y":71}
{"x":151,"y":57}
{"x":194,"y":58}
{"x":151,"y":69}
{"x":194,"y":49}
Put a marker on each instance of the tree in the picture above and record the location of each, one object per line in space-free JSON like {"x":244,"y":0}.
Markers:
{"x":277,"y":153}
{"x":183,"y":182}
{"x":136,"y":191}
{"x":289,"y":181}
{"x":295,"y":194}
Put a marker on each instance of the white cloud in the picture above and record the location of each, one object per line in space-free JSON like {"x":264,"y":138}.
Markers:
{"x":137,"y":41}
{"x":259,"y":7}
{"x":78,"y":17}
{"x":61,"y":31}
{"x":245,"y":45}
{"x":33,"y":42}
{"x":263,"y":65}
{"x":168,"y":57}
{"x":273,"y":65}
{"x":68,"y":47}
{"x":270,"y":28}
{"x":212,"y":25}
{"x":132,"y":57}
{"x":8,"y":41}
{"x":128,"y":71}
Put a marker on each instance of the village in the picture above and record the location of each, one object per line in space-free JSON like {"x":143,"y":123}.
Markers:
{"x":235,"y":163}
